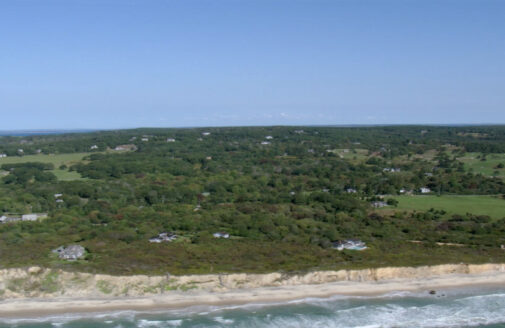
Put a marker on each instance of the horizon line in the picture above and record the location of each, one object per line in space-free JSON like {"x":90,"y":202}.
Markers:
{"x":36,"y":130}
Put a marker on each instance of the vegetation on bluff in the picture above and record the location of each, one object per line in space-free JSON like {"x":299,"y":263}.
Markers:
{"x":282,"y":193}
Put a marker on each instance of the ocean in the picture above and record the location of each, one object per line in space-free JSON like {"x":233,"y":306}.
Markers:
{"x":475,"y":307}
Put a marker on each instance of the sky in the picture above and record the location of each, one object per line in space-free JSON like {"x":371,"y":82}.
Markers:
{"x":103,"y":64}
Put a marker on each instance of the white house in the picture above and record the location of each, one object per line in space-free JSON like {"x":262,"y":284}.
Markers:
{"x":3,"y":218}
{"x":3,"y":155}
{"x":145,"y":139}
{"x":221,"y":235}
{"x":126,"y":147}
{"x":57,"y":195}
{"x":93,"y":147}
{"x":269,"y":137}
{"x":164,"y":237}
{"x":170,"y":140}
{"x":205,"y":133}
{"x":265,"y":143}
{"x":425,"y":190}
{"x":352,"y":244}
{"x":29,"y":217}
{"x":351,"y":190}
{"x":379,"y":204}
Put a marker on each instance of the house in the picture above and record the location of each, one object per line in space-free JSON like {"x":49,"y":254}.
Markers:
{"x":221,"y":235}
{"x":163,"y":237}
{"x":3,"y":155}
{"x":7,"y":219}
{"x":145,"y":139}
{"x":391,"y":169}
{"x":29,"y":217}
{"x":93,"y":147}
{"x":70,"y":253}
{"x":33,"y":216}
{"x":351,"y":190}
{"x":170,"y":140}
{"x":57,"y":195}
{"x":126,"y":147}
{"x":351,"y":244}
{"x":269,"y":137}
{"x":20,"y":151}
{"x":24,"y":217}
{"x":59,"y":201}
{"x":379,"y":204}
{"x":299,"y":131}
{"x":205,"y":133}
{"x":425,"y":190}
{"x":208,"y":158}
{"x":265,"y":143}
{"x":428,"y":174}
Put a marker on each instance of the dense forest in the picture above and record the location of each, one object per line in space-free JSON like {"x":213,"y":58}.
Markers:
{"x":283,"y":194}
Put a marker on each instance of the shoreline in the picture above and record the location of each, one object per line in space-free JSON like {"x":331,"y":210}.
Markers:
{"x":490,"y":275}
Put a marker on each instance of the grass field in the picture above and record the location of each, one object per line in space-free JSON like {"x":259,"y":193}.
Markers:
{"x":486,"y":167}
{"x":56,"y":159}
{"x":357,"y":155}
{"x":494,"y":206}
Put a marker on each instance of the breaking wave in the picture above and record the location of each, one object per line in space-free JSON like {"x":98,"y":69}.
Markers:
{"x":475,"y":308}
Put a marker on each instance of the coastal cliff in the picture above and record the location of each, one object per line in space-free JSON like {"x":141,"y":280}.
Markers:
{"x":36,"y":282}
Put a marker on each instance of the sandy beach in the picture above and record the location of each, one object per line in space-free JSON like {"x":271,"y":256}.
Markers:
{"x":355,"y":283}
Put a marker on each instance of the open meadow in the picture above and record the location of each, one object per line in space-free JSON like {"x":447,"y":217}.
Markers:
{"x":489,"y":167}
{"x":493,"y":206}
{"x":56,"y":159}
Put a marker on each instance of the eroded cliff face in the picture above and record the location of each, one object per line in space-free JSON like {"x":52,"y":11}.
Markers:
{"x":38,"y":282}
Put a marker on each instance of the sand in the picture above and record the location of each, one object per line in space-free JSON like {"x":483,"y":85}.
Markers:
{"x":244,"y":288}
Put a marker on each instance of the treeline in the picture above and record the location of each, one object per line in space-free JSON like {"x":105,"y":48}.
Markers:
{"x":389,"y":140}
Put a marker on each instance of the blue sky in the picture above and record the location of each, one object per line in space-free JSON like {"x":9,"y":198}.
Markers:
{"x":119,"y":64}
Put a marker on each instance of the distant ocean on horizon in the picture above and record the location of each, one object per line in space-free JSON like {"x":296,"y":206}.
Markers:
{"x":471,"y":307}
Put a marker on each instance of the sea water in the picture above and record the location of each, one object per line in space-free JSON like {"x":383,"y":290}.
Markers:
{"x":476,"y":307}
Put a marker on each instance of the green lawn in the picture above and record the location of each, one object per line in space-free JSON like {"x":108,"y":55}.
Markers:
{"x":486,"y":167}
{"x":357,"y":155}
{"x":494,"y":206}
{"x":56,"y":159}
